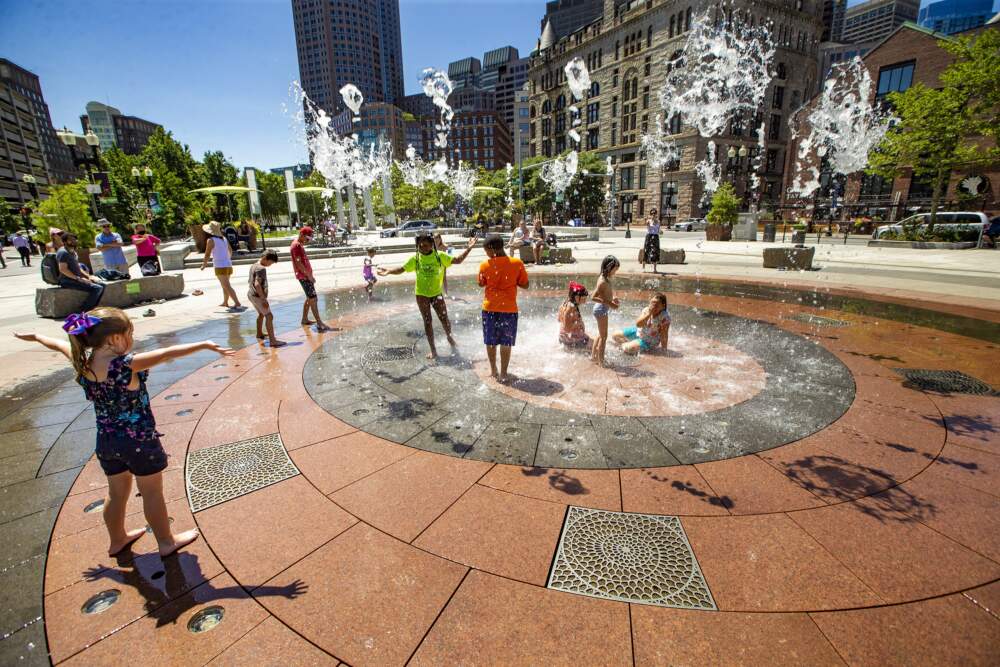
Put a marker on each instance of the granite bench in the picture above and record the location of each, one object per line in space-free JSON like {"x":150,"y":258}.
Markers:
{"x":557,"y":255}
{"x":57,"y":302}
{"x":797,"y":259}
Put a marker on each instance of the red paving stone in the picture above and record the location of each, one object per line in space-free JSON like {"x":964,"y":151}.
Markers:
{"x":502,"y":533}
{"x":768,"y":563}
{"x":495,"y":621}
{"x":272,"y":644}
{"x":681,"y":637}
{"x":288,"y":520}
{"x":333,"y":464}
{"x":345,"y":590}
{"x":891,"y":552}
{"x":675,"y":490}
{"x":165,"y":631}
{"x":370,"y":598}
{"x":598,"y":489}
{"x":944,"y":631}
{"x":405,"y":497}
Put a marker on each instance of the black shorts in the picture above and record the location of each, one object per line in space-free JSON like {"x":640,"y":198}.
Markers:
{"x":139,"y":457}
{"x":309,"y":287}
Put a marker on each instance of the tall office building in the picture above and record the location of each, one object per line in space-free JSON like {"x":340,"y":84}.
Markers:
{"x":21,"y":148}
{"x":566,"y":16}
{"x":951,"y":16}
{"x":58,"y":162}
{"x":876,"y":19}
{"x":349,"y":41}
{"x":493,"y":63}
{"x":129,"y":133}
{"x":465,"y":73}
{"x":833,"y":20}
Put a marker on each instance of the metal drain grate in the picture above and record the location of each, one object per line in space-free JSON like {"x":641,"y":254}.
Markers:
{"x":375,"y":356}
{"x":629,"y":557}
{"x":945,"y":382}
{"x":217,"y":474}
{"x":818,"y":320}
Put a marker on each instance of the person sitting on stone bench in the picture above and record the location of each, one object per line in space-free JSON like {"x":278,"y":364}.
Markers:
{"x":72,"y":275}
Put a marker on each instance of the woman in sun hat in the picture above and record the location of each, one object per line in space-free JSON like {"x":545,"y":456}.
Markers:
{"x":222,"y":260}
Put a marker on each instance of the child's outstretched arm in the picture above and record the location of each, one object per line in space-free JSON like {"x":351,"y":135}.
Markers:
{"x":382,"y":271}
{"x":55,"y":344}
{"x":144,"y":360}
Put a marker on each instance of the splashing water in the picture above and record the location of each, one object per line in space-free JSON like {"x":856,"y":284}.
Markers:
{"x":462,"y":180}
{"x":709,"y":171}
{"x":842,"y":129}
{"x":721,"y":74}
{"x":660,"y":148}
{"x":413,"y":168}
{"x":352,"y":98}
{"x":577,"y":77}
{"x":559,"y":172}
{"x":438,"y":87}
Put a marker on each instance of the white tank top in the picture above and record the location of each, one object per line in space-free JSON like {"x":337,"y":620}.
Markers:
{"x":221,"y":257}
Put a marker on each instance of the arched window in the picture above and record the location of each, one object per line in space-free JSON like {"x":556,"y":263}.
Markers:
{"x":782,"y":72}
{"x":673,"y":23}
{"x":687,"y":19}
{"x":560,"y":102}
{"x":674,"y":126}
{"x":546,"y":107}
{"x":595,"y":89}
{"x":649,"y":36}
{"x":532,"y":111}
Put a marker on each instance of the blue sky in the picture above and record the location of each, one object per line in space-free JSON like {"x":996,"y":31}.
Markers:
{"x":217,"y":72}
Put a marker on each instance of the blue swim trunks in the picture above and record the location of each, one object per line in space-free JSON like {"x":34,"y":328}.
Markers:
{"x":499,"y":328}
{"x":632,"y":333}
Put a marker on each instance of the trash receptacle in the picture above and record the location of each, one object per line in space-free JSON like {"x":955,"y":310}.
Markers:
{"x":798,"y":236}
{"x":769,"y":232}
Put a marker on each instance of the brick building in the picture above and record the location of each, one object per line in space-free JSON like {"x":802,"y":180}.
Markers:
{"x":379,"y":124}
{"x":910,"y":55}
{"x":479,"y":138}
{"x":625,"y":50}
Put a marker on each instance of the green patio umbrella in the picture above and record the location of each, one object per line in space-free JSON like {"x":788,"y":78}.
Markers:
{"x":228,"y":191}
{"x":310,"y":189}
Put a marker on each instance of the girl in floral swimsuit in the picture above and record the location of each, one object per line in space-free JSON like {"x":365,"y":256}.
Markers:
{"x":128,"y":445}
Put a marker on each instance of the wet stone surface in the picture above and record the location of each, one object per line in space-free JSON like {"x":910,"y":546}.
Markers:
{"x":679,"y":407}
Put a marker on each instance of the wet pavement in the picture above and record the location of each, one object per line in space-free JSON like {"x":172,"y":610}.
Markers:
{"x":858,"y":506}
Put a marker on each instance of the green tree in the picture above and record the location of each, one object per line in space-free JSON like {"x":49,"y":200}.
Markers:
{"x":9,"y":223}
{"x":68,"y":208}
{"x":127,"y":210}
{"x":941,"y":130}
{"x":725,"y":206}
{"x":175,"y":174}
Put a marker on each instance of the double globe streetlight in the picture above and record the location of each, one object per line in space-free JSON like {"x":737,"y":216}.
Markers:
{"x":92,"y":162}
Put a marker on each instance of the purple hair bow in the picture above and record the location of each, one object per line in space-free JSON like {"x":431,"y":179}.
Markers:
{"x":78,"y":323}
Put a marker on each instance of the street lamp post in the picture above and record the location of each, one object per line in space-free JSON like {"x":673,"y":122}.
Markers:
{"x":92,"y":162}
{"x":31,"y":182}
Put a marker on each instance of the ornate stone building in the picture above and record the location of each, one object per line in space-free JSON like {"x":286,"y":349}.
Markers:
{"x":626,"y":51}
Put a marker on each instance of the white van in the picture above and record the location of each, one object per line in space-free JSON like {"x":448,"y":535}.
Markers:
{"x":945,"y":220}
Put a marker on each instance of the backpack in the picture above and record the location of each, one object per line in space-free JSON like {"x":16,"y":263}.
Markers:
{"x":149,"y":269}
{"x":50,"y":269}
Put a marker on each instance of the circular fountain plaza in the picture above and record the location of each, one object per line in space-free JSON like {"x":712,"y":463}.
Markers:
{"x":804,"y":477}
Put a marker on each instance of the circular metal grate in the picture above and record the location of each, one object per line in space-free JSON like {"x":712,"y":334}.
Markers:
{"x":218,"y":474}
{"x":376,"y":356}
{"x":945,"y":382}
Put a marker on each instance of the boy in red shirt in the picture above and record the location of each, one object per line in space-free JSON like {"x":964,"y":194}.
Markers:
{"x":501,"y":276}
{"x":304,"y":274}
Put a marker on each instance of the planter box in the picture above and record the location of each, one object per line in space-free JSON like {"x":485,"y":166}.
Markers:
{"x":798,"y":236}
{"x":923,"y":245}
{"x":718,"y":233}
{"x":60,"y":302}
{"x":798,"y":259}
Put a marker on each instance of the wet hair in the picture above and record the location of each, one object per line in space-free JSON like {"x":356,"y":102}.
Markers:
{"x":423,"y":236}
{"x":609,"y":264}
{"x":661,"y":298}
{"x":652,"y":211}
{"x":494,"y":243}
{"x":371,"y":250}
{"x":270,"y":255}
{"x":576,"y":290}
{"x":113,"y":322}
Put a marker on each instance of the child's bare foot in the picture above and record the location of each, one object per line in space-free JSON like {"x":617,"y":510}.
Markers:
{"x":131,"y":537}
{"x":274,"y":342}
{"x":432,"y":356}
{"x":180,"y":540}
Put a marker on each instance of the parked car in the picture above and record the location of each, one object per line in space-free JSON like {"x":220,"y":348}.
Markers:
{"x":409,"y":228}
{"x":945,"y":220}
{"x":691,"y":225}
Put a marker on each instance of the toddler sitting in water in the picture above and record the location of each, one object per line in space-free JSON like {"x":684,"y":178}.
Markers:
{"x":572,"y":332}
{"x":650,"y":331}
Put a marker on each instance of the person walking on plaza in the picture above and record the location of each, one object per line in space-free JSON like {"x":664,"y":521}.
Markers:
{"x":257,"y":295}
{"x":145,"y":250}
{"x":222,"y":261}
{"x":429,"y":265}
{"x":304,"y":274}
{"x":23,"y":248}
{"x":651,"y":247}
{"x":500,"y":276}
{"x":74,"y":276}
{"x":110,"y":245}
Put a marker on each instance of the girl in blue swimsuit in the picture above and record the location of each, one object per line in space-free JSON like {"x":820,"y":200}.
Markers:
{"x":604,"y":300}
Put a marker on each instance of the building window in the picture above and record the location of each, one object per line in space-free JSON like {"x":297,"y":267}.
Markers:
{"x":782,"y":72}
{"x":649,"y":36}
{"x":673,"y":25}
{"x":771,"y":162}
{"x":875,"y":187}
{"x":626,"y":178}
{"x":642,"y":177}
{"x":894,"y":79}
{"x":778,"y":99}
{"x":674,"y":125}
{"x":774,"y":131}
{"x":593,"y":138}
{"x":593,"y":112}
